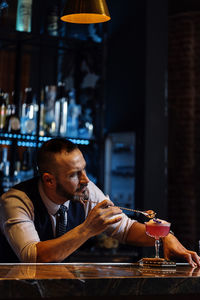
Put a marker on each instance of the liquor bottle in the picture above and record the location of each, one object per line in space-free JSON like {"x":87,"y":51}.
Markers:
{"x":5,"y":162}
{"x":24,"y":15}
{"x":50,"y":99}
{"x":3,"y":106}
{"x":5,"y":167}
{"x":74,"y":111}
{"x":52,"y":18}
{"x":12,"y":120}
{"x":29,"y":114}
{"x":86,"y":128}
{"x":61,"y":110}
{"x":26,"y":165}
{"x":42,"y":114}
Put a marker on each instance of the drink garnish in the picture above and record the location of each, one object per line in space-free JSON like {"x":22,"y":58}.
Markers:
{"x":157,"y":220}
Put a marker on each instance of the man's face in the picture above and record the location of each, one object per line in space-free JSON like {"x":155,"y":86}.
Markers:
{"x":71,"y":178}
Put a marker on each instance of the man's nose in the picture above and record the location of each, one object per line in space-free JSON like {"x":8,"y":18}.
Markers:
{"x":84,"y":178}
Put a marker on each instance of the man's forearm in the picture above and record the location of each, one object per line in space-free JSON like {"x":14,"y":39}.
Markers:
{"x":99,"y":218}
{"x":138,"y":237}
{"x":56,"y":250}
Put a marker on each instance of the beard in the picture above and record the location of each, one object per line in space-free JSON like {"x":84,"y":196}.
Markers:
{"x":78,"y":196}
{"x":62,"y":192}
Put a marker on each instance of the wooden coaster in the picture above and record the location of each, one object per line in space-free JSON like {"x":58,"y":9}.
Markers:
{"x":156,"y":263}
{"x":152,"y":259}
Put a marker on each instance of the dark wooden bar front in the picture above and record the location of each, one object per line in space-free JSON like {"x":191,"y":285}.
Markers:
{"x":98,"y":280}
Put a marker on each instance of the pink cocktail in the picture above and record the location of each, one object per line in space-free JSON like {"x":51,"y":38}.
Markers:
{"x":157,"y":228}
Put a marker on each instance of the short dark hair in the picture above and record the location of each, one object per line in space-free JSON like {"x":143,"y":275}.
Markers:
{"x":46,"y":153}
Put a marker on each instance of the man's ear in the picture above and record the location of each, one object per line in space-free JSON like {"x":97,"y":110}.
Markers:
{"x":49,"y":180}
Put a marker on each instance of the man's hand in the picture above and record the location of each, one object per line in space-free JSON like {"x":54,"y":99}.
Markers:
{"x":174,"y":249}
{"x":171,"y":246}
{"x":101,"y":216}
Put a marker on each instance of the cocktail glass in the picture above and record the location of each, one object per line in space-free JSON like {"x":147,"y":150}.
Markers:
{"x":157,"y":230}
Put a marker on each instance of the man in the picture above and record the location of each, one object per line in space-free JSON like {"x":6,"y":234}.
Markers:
{"x":29,"y":212}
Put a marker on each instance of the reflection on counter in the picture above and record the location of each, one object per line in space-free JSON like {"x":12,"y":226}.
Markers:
{"x":116,"y":280}
{"x":91,"y":270}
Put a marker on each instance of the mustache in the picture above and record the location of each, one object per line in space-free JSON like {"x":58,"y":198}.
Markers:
{"x":82,"y":198}
{"x":81,"y":187}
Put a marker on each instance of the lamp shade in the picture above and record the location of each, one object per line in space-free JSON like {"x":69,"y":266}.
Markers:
{"x":85,"y":11}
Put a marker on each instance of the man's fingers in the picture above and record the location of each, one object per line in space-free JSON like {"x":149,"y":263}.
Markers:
{"x":195,"y":257}
{"x":105,"y":203}
{"x":189,"y":259}
{"x":192,"y":258}
{"x":113,"y":220}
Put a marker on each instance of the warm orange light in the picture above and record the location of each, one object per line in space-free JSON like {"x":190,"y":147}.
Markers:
{"x":85,"y":18}
{"x":86,"y":11}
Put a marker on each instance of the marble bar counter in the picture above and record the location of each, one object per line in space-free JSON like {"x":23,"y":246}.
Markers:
{"x":98,"y":280}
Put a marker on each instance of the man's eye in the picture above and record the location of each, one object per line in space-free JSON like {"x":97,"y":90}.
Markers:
{"x":73,"y":175}
{"x":77,"y":174}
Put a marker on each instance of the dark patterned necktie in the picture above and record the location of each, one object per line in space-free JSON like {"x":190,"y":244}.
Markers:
{"x":61,"y":224}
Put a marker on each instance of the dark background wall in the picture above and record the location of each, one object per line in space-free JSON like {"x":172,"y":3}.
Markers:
{"x":136,"y":90}
{"x":125,"y":64}
{"x":184,"y":120}
{"x":153,"y":88}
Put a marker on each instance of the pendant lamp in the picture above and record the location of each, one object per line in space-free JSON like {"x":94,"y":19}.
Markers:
{"x":86,"y":11}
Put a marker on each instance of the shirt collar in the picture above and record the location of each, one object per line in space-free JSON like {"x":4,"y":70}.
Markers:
{"x":51,"y":207}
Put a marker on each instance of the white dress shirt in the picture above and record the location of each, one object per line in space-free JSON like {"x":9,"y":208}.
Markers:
{"x":17,"y":220}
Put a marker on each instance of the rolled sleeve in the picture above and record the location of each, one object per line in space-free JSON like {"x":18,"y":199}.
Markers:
{"x":17,"y":224}
{"x":118,"y":230}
